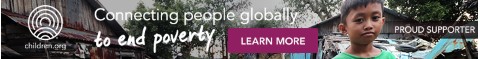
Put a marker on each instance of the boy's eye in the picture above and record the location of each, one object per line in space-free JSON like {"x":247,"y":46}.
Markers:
{"x":359,"y":20}
{"x":375,"y":18}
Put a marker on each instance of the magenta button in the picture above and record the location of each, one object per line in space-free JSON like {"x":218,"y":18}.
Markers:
{"x":272,"y":40}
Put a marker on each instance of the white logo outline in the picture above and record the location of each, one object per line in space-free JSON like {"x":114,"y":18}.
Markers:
{"x":36,"y":27}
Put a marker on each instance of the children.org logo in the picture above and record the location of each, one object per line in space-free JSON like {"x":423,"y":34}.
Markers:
{"x":45,"y":22}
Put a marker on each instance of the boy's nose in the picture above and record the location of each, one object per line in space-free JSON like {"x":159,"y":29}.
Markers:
{"x":368,"y":25}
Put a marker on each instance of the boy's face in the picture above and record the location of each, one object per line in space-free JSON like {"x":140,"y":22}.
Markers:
{"x":363,"y":24}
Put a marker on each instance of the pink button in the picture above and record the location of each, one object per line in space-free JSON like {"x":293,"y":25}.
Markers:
{"x":272,"y":40}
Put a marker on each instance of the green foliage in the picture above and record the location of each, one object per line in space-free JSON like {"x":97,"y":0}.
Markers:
{"x":434,"y":10}
{"x":323,"y":8}
{"x":427,"y":15}
{"x":135,"y":27}
{"x":168,"y":51}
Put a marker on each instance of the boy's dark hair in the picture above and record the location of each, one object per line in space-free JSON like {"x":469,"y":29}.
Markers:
{"x":348,"y":5}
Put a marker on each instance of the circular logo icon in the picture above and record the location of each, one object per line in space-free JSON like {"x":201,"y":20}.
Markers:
{"x":45,"y":22}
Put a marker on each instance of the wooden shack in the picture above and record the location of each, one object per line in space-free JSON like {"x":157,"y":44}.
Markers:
{"x":78,"y":34}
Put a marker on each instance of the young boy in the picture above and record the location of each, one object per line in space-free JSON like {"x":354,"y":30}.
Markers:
{"x":362,"y":21}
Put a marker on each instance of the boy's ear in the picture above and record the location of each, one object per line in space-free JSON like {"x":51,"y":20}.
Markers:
{"x":341,"y":28}
{"x":383,"y":20}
